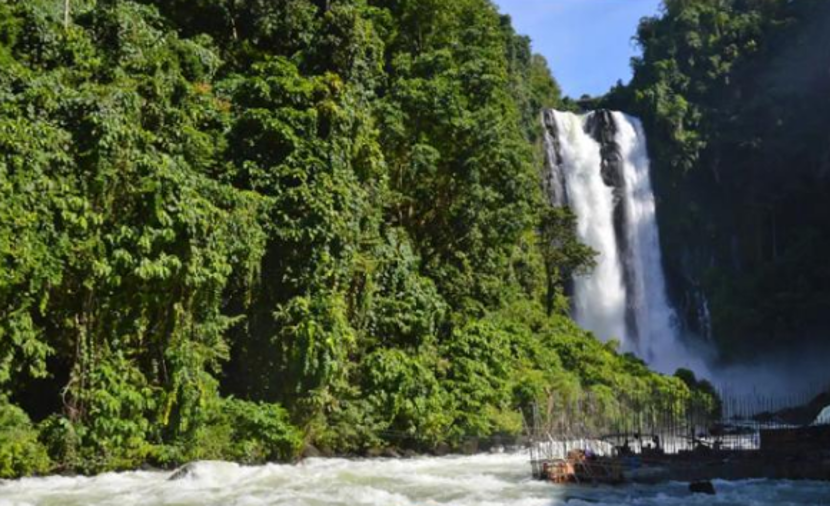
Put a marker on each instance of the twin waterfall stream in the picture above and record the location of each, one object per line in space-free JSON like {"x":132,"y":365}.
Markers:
{"x":599,"y":167}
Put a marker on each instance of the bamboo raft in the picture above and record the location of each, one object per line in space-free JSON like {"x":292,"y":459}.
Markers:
{"x":580,"y":467}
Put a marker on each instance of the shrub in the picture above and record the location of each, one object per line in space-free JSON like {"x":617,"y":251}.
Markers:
{"x":260,"y":432}
{"x":21,"y":453}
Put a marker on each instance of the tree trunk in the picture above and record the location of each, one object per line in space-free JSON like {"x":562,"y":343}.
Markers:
{"x":232,"y":16}
{"x":66,"y":14}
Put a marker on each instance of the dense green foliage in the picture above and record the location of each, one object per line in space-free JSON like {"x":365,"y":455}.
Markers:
{"x":20,"y":451}
{"x":733,"y":94}
{"x":232,"y":227}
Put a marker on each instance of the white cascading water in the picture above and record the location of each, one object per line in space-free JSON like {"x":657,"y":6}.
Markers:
{"x":654,"y":316}
{"x":481,"y":480}
{"x":624,"y":297}
{"x":599,"y":299}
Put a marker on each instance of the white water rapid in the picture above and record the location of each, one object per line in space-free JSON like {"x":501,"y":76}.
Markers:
{"x":600,"y":168}
{"x":483,"y":480}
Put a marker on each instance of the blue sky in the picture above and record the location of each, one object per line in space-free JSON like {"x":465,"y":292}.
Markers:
{"x":586,"y":42}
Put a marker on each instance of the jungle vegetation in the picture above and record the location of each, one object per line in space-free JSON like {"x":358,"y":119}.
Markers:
{"x":733,"y":95}
{"x":231,"y":228}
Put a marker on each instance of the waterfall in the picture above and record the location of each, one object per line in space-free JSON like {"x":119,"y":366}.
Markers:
{"x":599,"y":167}
{"x":704,"y":318}
{"x":599,"y":299}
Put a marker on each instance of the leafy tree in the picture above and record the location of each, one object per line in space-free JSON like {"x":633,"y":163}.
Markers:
{"x":730,"y":94}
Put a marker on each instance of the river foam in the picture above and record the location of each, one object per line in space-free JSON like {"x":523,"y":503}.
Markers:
{"x":483,"y":480}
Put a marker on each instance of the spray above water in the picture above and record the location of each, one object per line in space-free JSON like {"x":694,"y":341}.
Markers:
{"x":599,"y":167}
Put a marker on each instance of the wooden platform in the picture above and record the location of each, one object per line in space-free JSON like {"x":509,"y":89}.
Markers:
{"x":686,"y":467}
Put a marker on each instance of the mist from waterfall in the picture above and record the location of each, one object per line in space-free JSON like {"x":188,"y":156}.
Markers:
{"x":601,"y":162}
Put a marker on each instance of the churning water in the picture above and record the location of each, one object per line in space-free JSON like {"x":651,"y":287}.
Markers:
{"x":484,"y":480}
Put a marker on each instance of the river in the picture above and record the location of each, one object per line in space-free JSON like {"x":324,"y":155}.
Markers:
{"x":483,"y":480}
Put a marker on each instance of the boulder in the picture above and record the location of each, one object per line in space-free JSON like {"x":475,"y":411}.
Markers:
{"x":441,"y":449}
{"x":702,"y":487}
{"x":390,"y":453}
{"x":185,"y":471}
{"x":373,"y":453}
{"x":310,"y":452}
{"x":469,"y":446}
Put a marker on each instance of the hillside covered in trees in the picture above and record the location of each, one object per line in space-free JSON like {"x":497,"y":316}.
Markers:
{"x":733,"y":94}
{"x":229,"y":228}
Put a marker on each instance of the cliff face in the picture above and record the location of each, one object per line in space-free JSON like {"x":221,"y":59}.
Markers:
{"x":733,"y":96}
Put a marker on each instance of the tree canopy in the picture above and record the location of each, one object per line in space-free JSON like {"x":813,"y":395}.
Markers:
{"x":733,"y":97}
